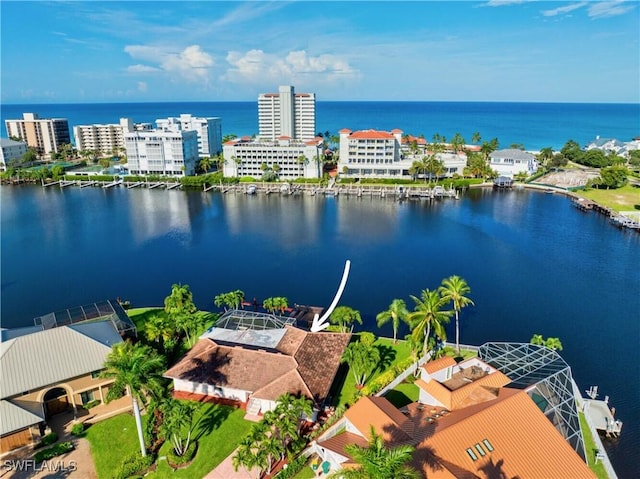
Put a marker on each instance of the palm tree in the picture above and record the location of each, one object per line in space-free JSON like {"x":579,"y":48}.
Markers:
{"x":377,"y":461}
{"x":160,"y":329}
{"x":428,"y":317}
{"x":454,"y":289}
{"x":458,"y":142}
{"x":361,"y":359}
{"x":537,"y":339}
{"x":344,"y":316}
{"x":136,"y":369}
{"x":553,"y":343}
{"x":397,"y":312}
{"x":205,"y":164}
{"x":476,"y":138}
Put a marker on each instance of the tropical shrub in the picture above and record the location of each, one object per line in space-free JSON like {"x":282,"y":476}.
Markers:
{"x":47,"y":440}
{"x":133,"y":464}
{"x":91,"y":404}
{"x":54,"y":451}
{"x":78,"y":429}
{"x":293,"y":468}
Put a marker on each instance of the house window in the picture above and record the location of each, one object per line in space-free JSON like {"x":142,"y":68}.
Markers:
{"x":86,"y":397}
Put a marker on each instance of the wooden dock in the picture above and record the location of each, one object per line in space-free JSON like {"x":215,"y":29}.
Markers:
{"x":602,"y":416}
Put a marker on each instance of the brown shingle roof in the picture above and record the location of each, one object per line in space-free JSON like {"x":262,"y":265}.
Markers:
{"x":318,"y":360}
{"x":304,"y":363}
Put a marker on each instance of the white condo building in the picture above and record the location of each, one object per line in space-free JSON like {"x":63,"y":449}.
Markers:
{"x":209,"y":131}
{"x":104,"y":139}
{"x":46,"y":135}
{"x":162,"y":152}
{"x":10,"y":150}
{"x":384,"y":154}
{"x":294,"y":159}
{"x":287,"y":113}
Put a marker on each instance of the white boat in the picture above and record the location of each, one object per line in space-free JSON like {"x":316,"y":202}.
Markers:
{"x":252,"y":189}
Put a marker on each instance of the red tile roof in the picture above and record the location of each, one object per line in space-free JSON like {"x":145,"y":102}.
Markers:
{"x":371,"y":135}
{"x":438,"y":364}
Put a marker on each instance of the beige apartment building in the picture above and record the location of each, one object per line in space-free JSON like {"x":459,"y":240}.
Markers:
{"x":46,"y":135}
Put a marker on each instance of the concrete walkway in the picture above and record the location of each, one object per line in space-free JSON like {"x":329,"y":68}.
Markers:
{"x":225,"y":470}
{"x":77,"y":464}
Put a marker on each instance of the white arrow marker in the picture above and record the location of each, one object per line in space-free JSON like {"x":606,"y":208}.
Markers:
{"x":319,"y":324}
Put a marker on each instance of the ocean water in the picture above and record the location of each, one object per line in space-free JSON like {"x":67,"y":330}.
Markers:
{"x":534,"y":125}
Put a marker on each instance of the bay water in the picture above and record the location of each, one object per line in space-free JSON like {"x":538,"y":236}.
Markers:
{"x":535,"y":265}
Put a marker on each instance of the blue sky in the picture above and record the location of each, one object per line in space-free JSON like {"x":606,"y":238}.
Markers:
{"x":495,"y":50}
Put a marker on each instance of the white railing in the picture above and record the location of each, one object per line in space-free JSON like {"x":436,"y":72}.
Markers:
{"x":601,"y":455}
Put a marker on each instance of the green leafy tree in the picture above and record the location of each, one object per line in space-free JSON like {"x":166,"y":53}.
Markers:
{"x":31,"y":156}
{"x":489,"y":147}
{"x":572,"y":151}
{"x":57,"y":171}
{"x":136,"y":369}
{"x":378,"y":461}
{"x":613,"y":176}
{"x":345,"y":317}
{"x":396,"y":312}
{"x":477,"y":166}
{"x":545,"y":156}
{"x":553,"y":343}
{"x":180,"y":308}
{"x":455,"y":289}
{"x":160,"y":329}
{"x":537,"y":339}
{"x":429,"y":317}
{"x":476,"y":138}
{"x":361,"y":359}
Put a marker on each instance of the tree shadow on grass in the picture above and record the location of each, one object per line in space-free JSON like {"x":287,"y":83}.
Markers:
{"x":211,"y":419}
{"x":397,"y":398}
{"x":387,"y":356}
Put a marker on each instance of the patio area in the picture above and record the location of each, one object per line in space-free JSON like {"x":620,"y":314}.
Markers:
{"x":464,"y":377}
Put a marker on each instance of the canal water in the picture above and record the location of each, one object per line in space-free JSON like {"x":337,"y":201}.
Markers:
{"x":535,"y":265}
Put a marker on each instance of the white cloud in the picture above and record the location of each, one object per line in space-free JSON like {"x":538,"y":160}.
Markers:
{"x":502,"y":3}
{"x":139,"y":68}
{"x":192,"y":64}
{"x":562,"y":10}
{"x":609,"y":9}
{"x":255,"y":66}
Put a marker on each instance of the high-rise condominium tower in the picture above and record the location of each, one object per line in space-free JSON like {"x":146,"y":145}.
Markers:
{"x":287,"y":113}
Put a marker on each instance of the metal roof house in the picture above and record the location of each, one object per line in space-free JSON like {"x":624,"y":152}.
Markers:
{"x":49,"y":368}
{"x":493,"y":416}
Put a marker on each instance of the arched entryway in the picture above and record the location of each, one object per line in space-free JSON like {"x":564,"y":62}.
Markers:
{"x":55,"y":401}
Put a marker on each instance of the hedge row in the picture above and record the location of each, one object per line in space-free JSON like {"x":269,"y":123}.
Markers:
{"x":54,"y":451}
{"x":293,"y":468}
{"x":88,"y":178}
{"x":385,"y":378}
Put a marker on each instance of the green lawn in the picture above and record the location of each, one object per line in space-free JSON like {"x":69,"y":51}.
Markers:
{"x":218,"y":435}
{"x":345,"y":384}
{"x":111,"y":440}
{"x":306,"y":473}
{"x":626,"y":198}
{"x":403,"y":394}
{"x":590,"y":449}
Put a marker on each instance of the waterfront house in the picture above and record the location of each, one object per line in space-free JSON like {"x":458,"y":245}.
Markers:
{"x":511,"y":161}
{"x":54,"y":366}
{"x":467,"y":423}
{"x":249,"y":359}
